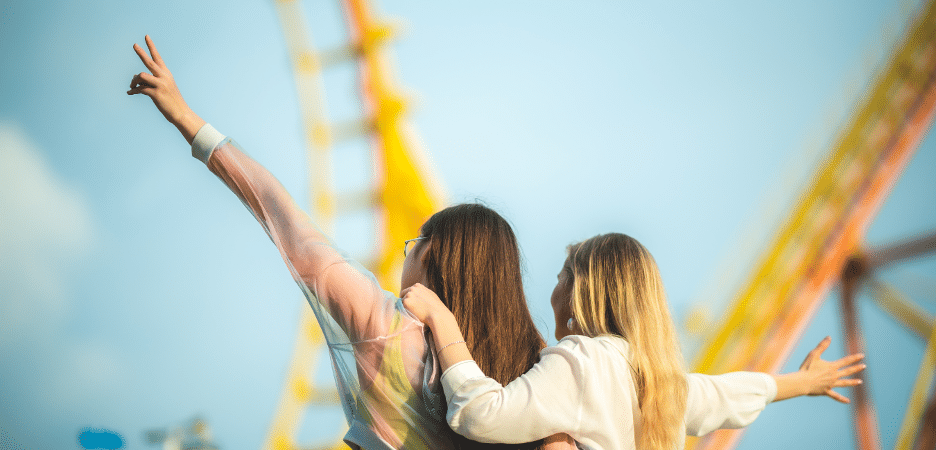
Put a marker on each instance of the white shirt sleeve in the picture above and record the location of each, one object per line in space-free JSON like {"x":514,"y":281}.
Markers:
{"x":732,"y":400}
{"x":546,"y":400}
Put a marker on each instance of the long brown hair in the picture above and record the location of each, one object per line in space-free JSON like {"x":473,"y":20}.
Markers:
{"x":617,"y":290}
{"x":473,"y":265}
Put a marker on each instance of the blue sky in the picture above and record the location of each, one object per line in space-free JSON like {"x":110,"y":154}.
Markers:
{"x":137,"y":292}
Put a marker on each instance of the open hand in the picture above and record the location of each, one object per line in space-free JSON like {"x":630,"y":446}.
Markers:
{"x":822,"y":376}
{"x":161,"y":88}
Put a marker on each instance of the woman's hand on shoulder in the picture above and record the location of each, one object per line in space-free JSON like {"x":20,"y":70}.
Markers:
{"x":426,"y":306}
{"x":160,"y":86}
{"x":423,"y":303}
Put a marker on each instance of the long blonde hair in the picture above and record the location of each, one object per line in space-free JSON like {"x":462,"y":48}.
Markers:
{"x":617,"y":291}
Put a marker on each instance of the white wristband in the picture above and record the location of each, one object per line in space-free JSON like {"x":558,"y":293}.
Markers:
{"x":205,"y":141}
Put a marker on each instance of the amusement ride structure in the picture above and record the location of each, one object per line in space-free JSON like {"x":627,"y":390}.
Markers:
{"x":818,"y":246}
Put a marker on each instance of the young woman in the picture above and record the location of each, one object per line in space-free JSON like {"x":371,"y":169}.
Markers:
{"x":384,"y":364}
{"x":615,"y":380}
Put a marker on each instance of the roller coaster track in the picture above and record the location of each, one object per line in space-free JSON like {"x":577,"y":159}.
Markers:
{"x":811,"y":250}
{"x":401,"y":197}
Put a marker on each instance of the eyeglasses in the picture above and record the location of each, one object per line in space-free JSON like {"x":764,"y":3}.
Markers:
{"x":407,"y":246}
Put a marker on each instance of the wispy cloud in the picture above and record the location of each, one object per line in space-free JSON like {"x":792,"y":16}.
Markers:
{"x":46,"y":230}
{"x":45,"y":226}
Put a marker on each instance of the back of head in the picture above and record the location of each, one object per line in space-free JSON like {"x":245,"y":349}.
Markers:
{"x":617,"y":290}
{"x":473,"y":265}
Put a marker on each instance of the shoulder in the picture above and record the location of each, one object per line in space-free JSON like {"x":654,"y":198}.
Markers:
{"x":571,"y":345}
{"x":591,"y":345}
{"x":598,"y":367}
{"x":602,"y":351}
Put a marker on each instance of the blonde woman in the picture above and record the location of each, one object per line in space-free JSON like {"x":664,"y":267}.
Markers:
{"x":615,"y":380}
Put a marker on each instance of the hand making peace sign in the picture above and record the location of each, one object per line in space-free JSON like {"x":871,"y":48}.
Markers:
{"x":161,"y":88}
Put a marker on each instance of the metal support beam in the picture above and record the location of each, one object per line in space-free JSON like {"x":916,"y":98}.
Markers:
{"x":866,"y":429}
{"x":908,"y":249}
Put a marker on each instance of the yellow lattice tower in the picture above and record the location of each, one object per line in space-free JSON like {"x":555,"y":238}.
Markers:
{"x":403,"y":197}
{"x":764,"y":323}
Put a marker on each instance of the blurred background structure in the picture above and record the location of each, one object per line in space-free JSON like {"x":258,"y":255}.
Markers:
{"x":771,"y":159}
{"x":194,"y":435}
{"x":820,"y":243}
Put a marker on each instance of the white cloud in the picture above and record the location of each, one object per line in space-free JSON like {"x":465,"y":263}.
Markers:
{"x":45,"y":227}
{"x":46,"y":232}
{"x":92,"y":372}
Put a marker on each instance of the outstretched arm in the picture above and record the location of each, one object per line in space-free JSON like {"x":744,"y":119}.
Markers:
{"x":734,"y":400}
{"x":350,"y":294}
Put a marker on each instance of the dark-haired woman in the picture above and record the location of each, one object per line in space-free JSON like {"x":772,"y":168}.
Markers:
{"x":385,"y":367}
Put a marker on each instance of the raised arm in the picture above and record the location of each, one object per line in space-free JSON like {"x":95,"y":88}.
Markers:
{"x":350,"y":294}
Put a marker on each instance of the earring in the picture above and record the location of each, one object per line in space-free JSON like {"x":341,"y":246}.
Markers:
{"x":570,"y":323}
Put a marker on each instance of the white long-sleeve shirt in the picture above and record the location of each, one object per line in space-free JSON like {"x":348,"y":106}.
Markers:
{"x":583,"y":386}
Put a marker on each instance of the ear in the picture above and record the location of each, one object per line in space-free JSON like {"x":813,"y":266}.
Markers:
{"x":424,"y":250}
{"x":423,"y":255}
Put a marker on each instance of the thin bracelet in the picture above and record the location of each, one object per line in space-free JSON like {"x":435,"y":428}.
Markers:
{"x":449,"y":345}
